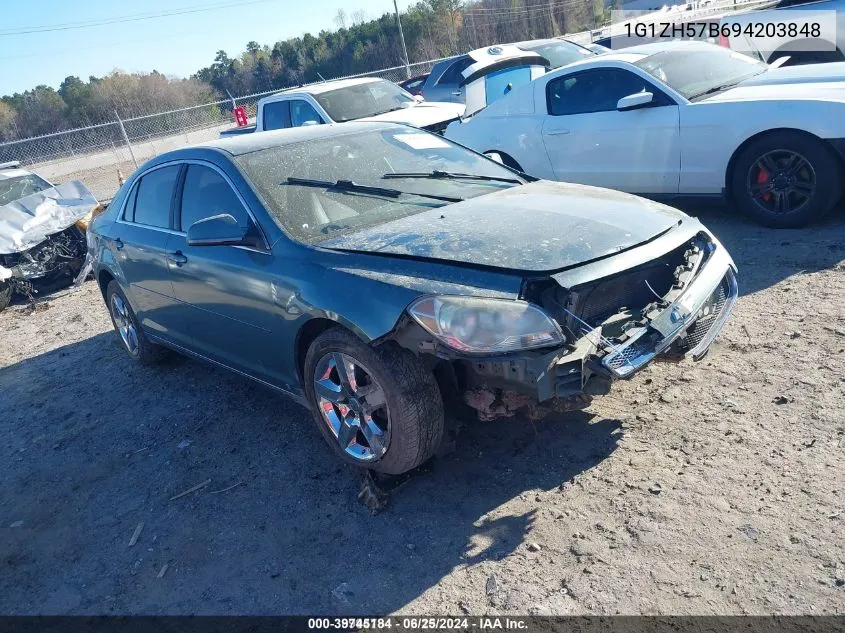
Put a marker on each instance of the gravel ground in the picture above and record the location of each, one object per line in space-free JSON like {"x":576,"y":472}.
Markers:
{"x":708,"y":488}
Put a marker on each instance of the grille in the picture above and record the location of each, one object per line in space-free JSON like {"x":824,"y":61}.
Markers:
{"x":706,"y":317}
{"x":633,"y":289}
{"x":628,"y":356}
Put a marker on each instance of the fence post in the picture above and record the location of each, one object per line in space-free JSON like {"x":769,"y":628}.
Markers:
{"x":402,"y":38}
{"x":126,"y":138}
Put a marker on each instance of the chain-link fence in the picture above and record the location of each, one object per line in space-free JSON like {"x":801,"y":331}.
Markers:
{"x":101,"y":155}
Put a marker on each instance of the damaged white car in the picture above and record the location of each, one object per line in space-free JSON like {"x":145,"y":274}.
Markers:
{"x":42,"y":231}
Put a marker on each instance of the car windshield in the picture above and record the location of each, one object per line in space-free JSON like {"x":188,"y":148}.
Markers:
{"x":311,"y":214}
{"x":18,"y":187}
{"x":694,"y":73}
{"x":363,"y":100}
{"x":559,"y":53}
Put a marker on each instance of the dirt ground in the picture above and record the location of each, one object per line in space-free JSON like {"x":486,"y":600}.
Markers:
{"x":708,"y":488}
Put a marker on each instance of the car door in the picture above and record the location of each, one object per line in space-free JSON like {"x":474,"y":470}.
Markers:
{"x":589,"y":141}
{"x":226,"y":290}
{"x":448,"y":87}
{"x":139,"y":242}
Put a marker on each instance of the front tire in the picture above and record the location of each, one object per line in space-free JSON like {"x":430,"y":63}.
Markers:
{"x":786,"y":180}
{"x":378,"y":408}
{"x":130,"y":336}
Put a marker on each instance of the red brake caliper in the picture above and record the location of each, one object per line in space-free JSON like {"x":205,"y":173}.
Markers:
{"x":762,"y":179}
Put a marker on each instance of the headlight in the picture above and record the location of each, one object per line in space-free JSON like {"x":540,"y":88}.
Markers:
{"x":477,"y":325}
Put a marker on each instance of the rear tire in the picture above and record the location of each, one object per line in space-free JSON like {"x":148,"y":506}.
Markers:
{"x":5,"y":295}
{"x":802,"y":172}
{"x":129,"y":334}
{"x":410,"y":421}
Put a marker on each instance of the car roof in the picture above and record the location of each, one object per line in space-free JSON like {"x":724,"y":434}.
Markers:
{"x":257,"y":141}
{"x":326,"y":86}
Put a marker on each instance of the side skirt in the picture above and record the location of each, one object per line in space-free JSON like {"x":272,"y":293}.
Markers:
{"x":298,"y":398}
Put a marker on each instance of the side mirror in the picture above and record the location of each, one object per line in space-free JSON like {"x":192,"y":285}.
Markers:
{"x":419,"y":98}
{"x":218,"y":230}
{"x":309,"y":122}
{"x":637,"y":100}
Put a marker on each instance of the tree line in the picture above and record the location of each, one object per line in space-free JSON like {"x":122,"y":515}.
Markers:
{"x":432,"y":28}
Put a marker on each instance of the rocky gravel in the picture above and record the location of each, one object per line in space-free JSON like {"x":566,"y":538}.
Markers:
{"x":715,"y":487}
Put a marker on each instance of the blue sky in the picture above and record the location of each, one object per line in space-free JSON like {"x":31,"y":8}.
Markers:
{"x":177,"y":44}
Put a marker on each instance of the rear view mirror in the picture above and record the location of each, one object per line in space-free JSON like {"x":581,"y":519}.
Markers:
{"x":217,"y":230}
{"x":637,"y":100}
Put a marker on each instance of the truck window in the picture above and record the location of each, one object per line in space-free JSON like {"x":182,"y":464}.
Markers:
{"x":276,"y":115}
{"x":302,"y":112}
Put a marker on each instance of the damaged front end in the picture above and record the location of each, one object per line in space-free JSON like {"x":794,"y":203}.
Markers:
{"x":43,"y":240}
{"x":611,"y":325}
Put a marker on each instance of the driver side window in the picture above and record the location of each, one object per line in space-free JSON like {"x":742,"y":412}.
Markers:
{"x":301,"y":112}
{"x":206,"y":193}
{"x":596,"y":91}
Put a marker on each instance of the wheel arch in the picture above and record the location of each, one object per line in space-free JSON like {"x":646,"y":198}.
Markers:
{"x":104,"y":278}
{"x":751,"y":139}
{"x":309,"y":332}
{"x":507,"y":159}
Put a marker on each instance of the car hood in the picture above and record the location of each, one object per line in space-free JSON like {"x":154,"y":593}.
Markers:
{"x":812,"y":81}
{"x":422,"y":114}
{"x":541,"y":226}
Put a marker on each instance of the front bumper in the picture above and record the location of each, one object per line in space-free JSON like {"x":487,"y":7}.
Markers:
{"x":688,"y":323}
{"x":698,"y":314}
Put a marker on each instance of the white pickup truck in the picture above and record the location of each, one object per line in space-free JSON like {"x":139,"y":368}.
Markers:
{"x":361,"y":99}
{"x":768,"y":34}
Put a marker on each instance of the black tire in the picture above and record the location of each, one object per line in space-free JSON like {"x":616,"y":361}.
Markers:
{"x":147,"y":353}
{"x":413,"y":400}
{"x":825,"y":174}
{"x":5,"y":295}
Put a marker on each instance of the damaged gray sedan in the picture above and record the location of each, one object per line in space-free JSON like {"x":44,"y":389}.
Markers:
{"x":42,"y":231}
{"x":382,"y":275}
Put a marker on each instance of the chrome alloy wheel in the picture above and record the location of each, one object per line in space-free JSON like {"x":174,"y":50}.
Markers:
{"x":124,"y":324}
{"x":353,"y":406}
{"x":781,"y":181}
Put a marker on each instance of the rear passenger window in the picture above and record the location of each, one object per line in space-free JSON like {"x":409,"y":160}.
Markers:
{"x":452,"y":75}
{"x":154,"y":197}
{"x":206,"y":193}
{"x":276,"y":115}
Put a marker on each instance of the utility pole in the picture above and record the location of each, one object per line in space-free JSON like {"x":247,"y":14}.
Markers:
{"x":402,"y":37}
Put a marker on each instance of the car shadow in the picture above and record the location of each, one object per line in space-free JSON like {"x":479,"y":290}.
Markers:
{"x":767,"y":256}
{"x":94,"y":446}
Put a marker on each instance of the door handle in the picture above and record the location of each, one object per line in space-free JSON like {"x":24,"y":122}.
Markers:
{"x":177,"y":258}
{"x":457,"y":93}
{"x":556,"y":132}
{"x":118,"y":244}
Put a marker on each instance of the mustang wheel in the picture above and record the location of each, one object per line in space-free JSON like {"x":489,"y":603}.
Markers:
{"x":786,"y":180}
{"x":130,"y":335}
{"x":376,"y":407}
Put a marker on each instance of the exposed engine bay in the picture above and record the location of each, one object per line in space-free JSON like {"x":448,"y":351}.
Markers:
{"x":42,"y":239}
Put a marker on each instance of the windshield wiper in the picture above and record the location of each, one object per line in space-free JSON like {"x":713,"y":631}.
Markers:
{"x":348,"y":185}
{"x":715,"y":89}
{"x":448,"y":175}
